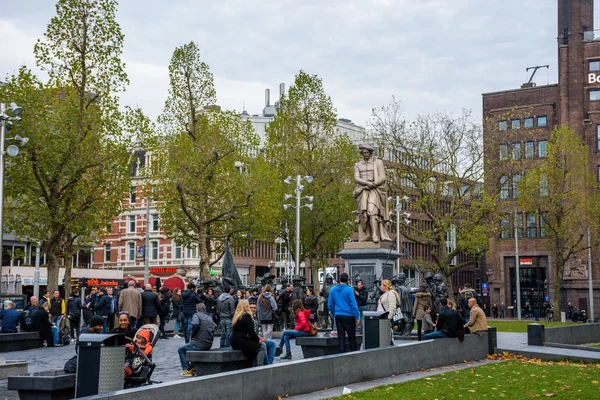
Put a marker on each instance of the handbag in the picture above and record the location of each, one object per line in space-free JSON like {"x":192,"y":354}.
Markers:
{"x":398,"y":316}
{"x":313,"y":330}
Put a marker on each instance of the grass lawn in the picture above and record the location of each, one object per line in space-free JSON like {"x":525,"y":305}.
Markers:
{"x":521,"y":326}
{"x":595,"y":345}
{"x":514,"y":379}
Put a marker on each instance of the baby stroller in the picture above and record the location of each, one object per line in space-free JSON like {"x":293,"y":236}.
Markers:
{"x":138,"y":358}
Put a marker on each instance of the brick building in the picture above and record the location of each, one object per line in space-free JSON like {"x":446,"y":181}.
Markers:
{"x":519,"y":123}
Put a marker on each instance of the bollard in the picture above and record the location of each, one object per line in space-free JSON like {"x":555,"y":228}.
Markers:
{"x":535,"y":335}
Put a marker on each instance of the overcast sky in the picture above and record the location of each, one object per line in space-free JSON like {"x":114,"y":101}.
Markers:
{"x":431,"y":54}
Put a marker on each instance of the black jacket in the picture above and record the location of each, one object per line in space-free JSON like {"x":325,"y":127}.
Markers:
{"x":362,"y":298}
{"x":448,"y":321}
{"x":177,"y":306}
{"x":244,"y":338}
{"x":189,"y":300}
{"x":311,"y":303}
{"x":102,"y":307}
{"x":210,"y":301}
{"x":165,"y":302}
{"x":74,"y":307}
{"x":41,"y":323}
{"x":150,"y":304}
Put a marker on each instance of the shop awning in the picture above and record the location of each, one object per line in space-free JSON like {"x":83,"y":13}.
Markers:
{"x":174,"y":282}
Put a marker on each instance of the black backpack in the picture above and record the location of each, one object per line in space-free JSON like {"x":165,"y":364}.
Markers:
{"x":26,"y":321}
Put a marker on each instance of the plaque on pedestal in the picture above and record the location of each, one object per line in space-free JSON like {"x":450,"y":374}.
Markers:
{"x":369,"y":261}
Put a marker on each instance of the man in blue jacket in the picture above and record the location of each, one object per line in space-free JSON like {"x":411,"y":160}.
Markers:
{"x":343,"y":307}
{"x":10,"y":318}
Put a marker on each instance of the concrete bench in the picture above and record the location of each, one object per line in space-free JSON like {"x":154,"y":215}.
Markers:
{"x":19,"y":341}
{"x":318,"y":346}
{"x":47,"y":385}
{"x":215,"y":361}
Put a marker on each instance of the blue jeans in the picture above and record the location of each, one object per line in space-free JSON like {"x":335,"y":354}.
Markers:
{"x":225,"y":327}
{"x":193,"y":346}
{"x":287,"y":335}
{"x":434,"y":335}
{"x":362,"y":309}
{"x":187,"y":327}
{"x":176,"y":326}
{"x":55,"y":335}
{"x":270,"y":349}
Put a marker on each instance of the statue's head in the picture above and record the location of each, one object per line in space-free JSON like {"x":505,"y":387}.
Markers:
{"x":399,"y":279}
{"x":366,"y":150}
{"x":329,"y":279}
{"x":437,"y":278}
{"x":428,"y":277}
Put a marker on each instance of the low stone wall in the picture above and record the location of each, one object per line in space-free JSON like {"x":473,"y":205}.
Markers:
{"x":305,"y":376}
{"x":573,"y":334}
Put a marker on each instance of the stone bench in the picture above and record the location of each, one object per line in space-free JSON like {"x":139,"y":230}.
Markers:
{"x":318,"y":346}
{"x":15,"y":367}
{"x":47,"y":385}
{"x":215,"y":361}
{"x":19,"y":341}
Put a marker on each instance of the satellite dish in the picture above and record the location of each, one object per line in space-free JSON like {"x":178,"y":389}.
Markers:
{"x":12,"y":150}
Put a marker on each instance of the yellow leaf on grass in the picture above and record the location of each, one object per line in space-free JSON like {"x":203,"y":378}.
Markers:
{"x":594,"y":382}
{"x":471,"y":391}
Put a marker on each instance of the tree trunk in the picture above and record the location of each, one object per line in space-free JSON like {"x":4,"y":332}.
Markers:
{"x":68,"y":272}
{"x":449,"y":285}
{"x":53,"y":270}
{"x":558,"y":274}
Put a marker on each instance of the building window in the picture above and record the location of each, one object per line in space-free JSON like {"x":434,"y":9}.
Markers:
{"x":132,"y":192}
{"x":155,"y":219}
{"x":502,"y":125}
{"x":543,"y":185}
{"x":107,"y":252}
{"x":504,"y":152}
{"x":594,"y":66}
{"x":594,"y":95}
{"x":515,"y":124}
{"x":516,"y":151}
{"x":505,"y":228}
{"x":154,"y":250}
{"x":531,"y":228}
{"x":177,"y":251}
{"x":529,"y":122}
{"x":529,"y":150}
{"x":504,"y":187}
{"x":544,"y":224}
{"x":542,"y":121}
{"x":542,"y":151}
{"x":516,"y":180}
{"x":191,"y":252}
{"x":131,"y":251}
{"x":131,"y":224}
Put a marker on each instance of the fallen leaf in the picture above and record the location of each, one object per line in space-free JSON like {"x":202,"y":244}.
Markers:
{"x":594,"y":382}
{"x":549,"y":394}
{"x":471,"y":391}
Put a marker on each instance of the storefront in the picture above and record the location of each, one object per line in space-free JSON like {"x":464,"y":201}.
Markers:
{"x":533,"y":282}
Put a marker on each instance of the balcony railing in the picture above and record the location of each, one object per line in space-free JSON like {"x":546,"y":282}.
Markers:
{"x":589,"y":36}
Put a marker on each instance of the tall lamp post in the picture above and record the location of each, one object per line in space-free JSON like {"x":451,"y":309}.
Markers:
{"x":6,"y":122}
{"x":399,"y":214}
{"x":517,"y":264}
{"x":297,"y":196}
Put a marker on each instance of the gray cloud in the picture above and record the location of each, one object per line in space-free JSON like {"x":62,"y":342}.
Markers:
{"x":432,"y":54}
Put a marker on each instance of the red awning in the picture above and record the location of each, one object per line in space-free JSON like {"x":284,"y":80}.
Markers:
{"x":174,"y":282}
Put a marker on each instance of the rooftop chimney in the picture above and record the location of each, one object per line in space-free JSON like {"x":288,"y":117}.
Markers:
{"x":267,"y":97}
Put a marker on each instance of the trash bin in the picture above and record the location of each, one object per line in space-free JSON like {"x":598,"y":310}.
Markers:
{"x":377,"y":330}
{"x":100,"y":360}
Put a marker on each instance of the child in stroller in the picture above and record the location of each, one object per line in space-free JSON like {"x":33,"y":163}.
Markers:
{"x":138,"y":356}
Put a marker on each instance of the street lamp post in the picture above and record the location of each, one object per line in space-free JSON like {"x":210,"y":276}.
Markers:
{"x":517,"y":272}
{"x":297,"y":196}
{"x":398,"y":215}
{"x":12,"y":150}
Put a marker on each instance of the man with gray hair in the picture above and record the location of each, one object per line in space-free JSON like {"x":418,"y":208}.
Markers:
{"x":201,"y":338}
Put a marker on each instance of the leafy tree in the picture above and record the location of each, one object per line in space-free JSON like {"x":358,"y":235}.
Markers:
{"x":437,"y":162}
{"x":210,"y":178}
{"x":562,"y":191}
{"x":301,"y":140}
{"x":74,"y":171}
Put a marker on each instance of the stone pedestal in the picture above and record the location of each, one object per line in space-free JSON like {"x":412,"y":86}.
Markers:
{"x":369,"y":261}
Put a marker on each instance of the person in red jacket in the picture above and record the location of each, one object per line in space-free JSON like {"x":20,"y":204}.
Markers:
{"x":301,"y":329}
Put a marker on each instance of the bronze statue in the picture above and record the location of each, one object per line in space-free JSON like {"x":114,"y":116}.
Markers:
{"x":371,"y":197}
{"x":406,"y":305}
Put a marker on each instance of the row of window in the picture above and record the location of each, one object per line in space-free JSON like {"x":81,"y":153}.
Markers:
{"x":154,"y":253}
{"x":535,"y":226}
{"x":132,"y":221}
{"x":506,"y":183}
{"x":529,"y":122}
{"x":516,"y":153}
{"x":594,"y":66}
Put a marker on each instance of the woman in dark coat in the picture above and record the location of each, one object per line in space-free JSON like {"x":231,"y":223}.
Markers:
{"x":102,"y":307}
{"x":311,"y":303}
{"x":164,"y":310}
{"x":74,"y":312}
{"x":41,"y":323}
{"x":244,"y":337}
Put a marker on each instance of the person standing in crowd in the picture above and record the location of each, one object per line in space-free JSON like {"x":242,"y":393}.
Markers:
{"x":477,"y":320}
{"x":343,"y":307}
{"x":286,"y":305}
{"x":58,"y":308}
{"x":189,"y":299}
{"x":10,"y":318}
{"x":311,"y":303}
{"x":112,"y":300}
{"x":428,"y":324}
{"x":42,"y":324}
{"x":362,"y":299}
{"x":130,"y":301}
{"x":210,"y":301}
{"x":448,"y":323}
{"x":422,"y":299}
{"x":124,"y":327}
{"x":495,"y":310}
{"x":300,"y":330}
{"x":226,"y":310}
{"x":102,"y":307}
{"x":502,"y":310}
{"x":26,"y":321}
{"x":201,"y":338}
{"x":266,"y":307}
{"x":243,"y":336}
{"x":177,"y":312}
{"x":164,"y":310}
{"x":269,"y":345}
{"x":74,"y":313}
{"x":388,"y":301}
{"x":45,"y":297}
{"x":150,"y":305}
